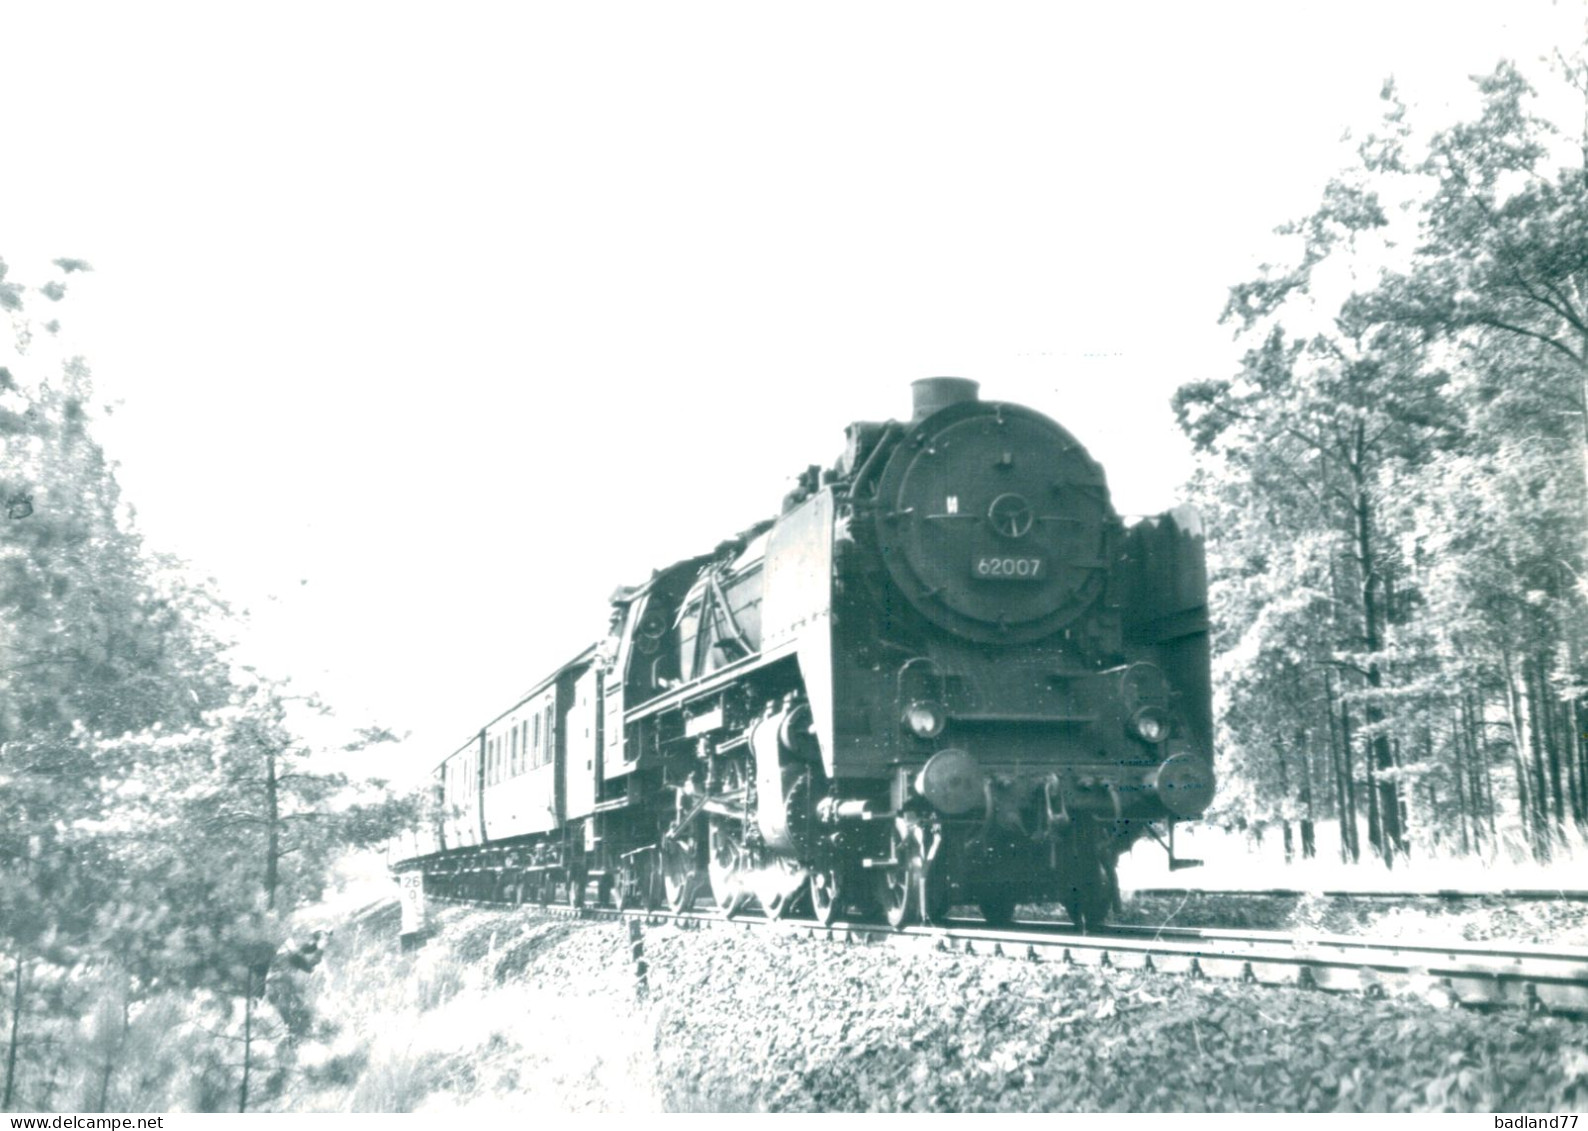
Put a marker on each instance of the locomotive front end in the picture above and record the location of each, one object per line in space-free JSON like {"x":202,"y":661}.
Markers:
{"x":1044,"y":666}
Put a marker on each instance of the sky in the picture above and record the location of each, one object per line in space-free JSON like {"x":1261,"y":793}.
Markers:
{"x":425,"y":327}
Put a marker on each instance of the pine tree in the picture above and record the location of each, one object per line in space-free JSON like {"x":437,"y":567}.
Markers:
{"x":1411,"y":417}
{"x":159,"y":815}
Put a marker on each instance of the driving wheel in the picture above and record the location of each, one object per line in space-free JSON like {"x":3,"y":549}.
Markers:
{"x":725,"y":866}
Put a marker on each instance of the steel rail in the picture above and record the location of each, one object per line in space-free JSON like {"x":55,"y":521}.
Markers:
{"x":1537,"y":895}
{"x":1448,"y":947}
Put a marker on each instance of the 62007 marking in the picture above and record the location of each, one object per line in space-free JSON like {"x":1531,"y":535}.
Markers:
{"x":1009,"y":569}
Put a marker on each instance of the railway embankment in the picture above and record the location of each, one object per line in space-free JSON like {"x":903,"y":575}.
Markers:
{"x":520,"y":1011}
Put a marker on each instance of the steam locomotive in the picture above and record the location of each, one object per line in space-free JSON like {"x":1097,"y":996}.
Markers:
{"x":946,"y":673}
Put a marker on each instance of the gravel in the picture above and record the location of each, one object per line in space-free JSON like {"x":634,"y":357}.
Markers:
{"x":745,"y":1019}
{"x":765,"y":1020}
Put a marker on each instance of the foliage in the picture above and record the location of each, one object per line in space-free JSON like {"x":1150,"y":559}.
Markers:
{"x":161,"y":811}
{"x":1397,"y":490}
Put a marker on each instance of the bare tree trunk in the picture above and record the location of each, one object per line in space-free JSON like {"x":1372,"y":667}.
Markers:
{"x":1535,"y":738}
{"x":1309,"y":844}
{"x":1385,"y":804}
{"x":1579,"y":757}
{"x":1566,"y":752}
{"x":1465,"y":811}
{"x":106,"y":1071}
{"x":1348,"y":765}
{"x":1544,"y":711}
{"x":1284,"y":803}
{"x":1341,"y":807}
{"x":1521,"y":728}
{"x":16,"y":1029}
{"x":1433,"y":823}
{"x":1375,"y":829}
{"x":1477,"y":773}
{"x":248,"y":1042}
{"x":1491,"y":804}
{"x":272,"y":830}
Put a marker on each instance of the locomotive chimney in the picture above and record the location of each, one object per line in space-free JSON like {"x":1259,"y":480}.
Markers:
{"x":934,"y":393}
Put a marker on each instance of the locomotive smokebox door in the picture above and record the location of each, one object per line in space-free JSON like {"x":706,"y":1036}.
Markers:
{"x":993,"y":522}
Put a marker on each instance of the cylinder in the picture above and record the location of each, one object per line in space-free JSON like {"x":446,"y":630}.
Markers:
{"x":934,"y":393}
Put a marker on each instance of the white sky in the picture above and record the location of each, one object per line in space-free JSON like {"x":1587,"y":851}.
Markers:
{"x":430,"y":325}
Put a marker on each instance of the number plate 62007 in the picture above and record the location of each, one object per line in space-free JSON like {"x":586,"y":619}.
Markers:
{"x":1004,"y":567}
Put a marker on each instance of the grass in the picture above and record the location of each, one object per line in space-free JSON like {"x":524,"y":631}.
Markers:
{"x":1239,"y":863}
{"x":470,"y":1022}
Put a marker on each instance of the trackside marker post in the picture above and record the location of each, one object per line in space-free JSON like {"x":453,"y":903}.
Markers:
{"x":412,"y":902}
{"x":637,"y":952}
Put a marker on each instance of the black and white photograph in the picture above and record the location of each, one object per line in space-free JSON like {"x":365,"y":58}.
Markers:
{"x":695,"y":557}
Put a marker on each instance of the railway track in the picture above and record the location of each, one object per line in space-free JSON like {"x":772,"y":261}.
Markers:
{"x":1483,"y":975}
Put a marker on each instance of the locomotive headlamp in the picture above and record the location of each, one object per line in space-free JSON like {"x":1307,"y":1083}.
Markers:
{"x":925,"y":719}
{"x":1150,"y":725}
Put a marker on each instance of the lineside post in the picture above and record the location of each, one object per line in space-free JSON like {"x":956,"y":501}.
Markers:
{"x":637,"y":952}
{"x":414,"y":910}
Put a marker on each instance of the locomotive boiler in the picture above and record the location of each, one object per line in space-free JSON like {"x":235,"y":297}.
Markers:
{"x":946,"y":673}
